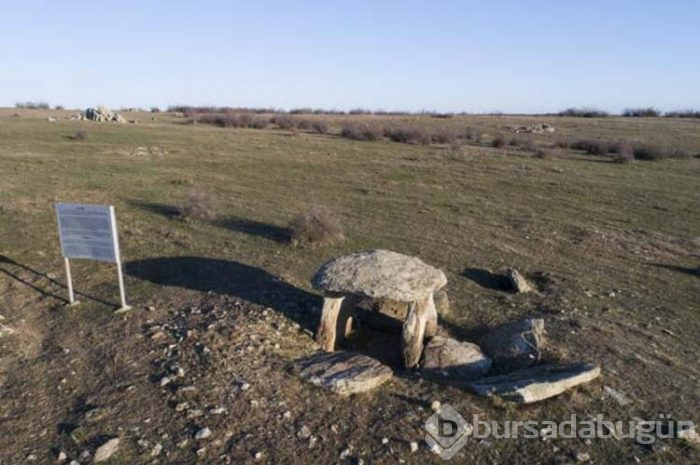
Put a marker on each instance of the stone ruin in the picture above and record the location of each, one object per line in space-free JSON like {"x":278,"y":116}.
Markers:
{"x":540,"y":128}
{"x":505,"y":363}
{"x":100,"y":114}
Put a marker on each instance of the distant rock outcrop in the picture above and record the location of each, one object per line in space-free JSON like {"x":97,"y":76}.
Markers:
{"x":100,"y":114}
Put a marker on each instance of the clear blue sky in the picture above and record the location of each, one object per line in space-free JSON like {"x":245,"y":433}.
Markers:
{"x":512,"y":56}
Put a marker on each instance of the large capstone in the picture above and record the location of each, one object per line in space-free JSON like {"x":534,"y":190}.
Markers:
{"x":380,"y":274}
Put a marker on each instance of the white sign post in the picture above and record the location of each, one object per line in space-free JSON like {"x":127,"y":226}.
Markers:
{"x":90,"y":232}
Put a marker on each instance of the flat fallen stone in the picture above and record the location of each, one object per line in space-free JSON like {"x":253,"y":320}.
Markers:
{"x":106,"y":450}
{"x":537,"y":383}
{"x":444,"y":357}
{"x":380,"y":274}
{"x":342,"y":372}
{"x":517,"y":344}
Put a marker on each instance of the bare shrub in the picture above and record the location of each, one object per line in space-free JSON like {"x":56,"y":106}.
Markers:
{"x":541,"y":153}
{"x":318,"y":127}
{"x":649,"y":152}
{"x":361,"y":131}
{"x":592,"y":147}
{"x":499,"y":141}
{"x":284,"y":122}
{"x":584,"y":113}
{"x":622,"y":153}
{"x":155,"y":110}
{"x":317,"y":226}
{"x":683,"y":114}
{"x":641,"y":112}
{"x":80,"y":134}
{"x":59,"y":107}
{"x":408,"y":135}
{"x":443,"y":136}
{"x":200,"y":205}
{"x":32,"y":105}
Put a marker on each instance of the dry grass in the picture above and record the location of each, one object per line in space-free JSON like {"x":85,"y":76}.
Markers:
{"x":317,"y":226}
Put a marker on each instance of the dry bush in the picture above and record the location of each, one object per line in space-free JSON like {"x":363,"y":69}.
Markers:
{"x":592,"y":147}
{"x":319,"y":127}
{"x":584,"y":113}
{"x":80,"y":134}
{"x":33,"y":105}
{"x":444,"y":136}
{"x":200,"y":205}
{"x":623,"y":153}
{"x":499,"y":141}
{"x":284,"y":122}
{"x":649,"y":152}
{"x":562,"y":144}
{"x":541,"y":153}
{"x":361,"y":131}
{"x":408,"y":135}
{"x":641,"y":112}
{"x":683,"y":114}
{"x":155,"y":110}
{"x":317,"y":226}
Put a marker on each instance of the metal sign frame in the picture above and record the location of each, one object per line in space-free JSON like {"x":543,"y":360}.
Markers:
{"x":115,"y":257}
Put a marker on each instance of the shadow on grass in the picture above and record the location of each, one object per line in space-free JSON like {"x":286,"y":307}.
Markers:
{"x":247,"y":226}
{"x":487,"y":279}
{"x":168,"y":211}
{"x":680,"y":269}
{"x":228,"y":277}
{"x":6,"y":260}
{"x":255,"y":228}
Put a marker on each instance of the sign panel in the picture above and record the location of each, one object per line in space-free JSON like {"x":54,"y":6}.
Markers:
{"x":88,"y":231}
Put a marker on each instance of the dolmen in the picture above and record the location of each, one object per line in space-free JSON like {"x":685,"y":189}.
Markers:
{"x":379,"y":274}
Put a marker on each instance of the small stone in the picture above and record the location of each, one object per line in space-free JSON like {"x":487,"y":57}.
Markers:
{"x":444,"y":357}
{"x":203,"y":433}
{"x":312,"y":441}
{"x":689,"y":434}
{"x":345,"y":453}
{"x":106,"y":450}
{"x":616,"y":395}
{"x":287,"y":415}
{"x":218,"y":411}
{"x":582,"y":457}
{"x":164,"y":381}
{"x":157,"y":449}
{"x":435,"y":405}
{"x":258,"y":455}
{"x":385,"y":441}
{"x":520,"y":284}
{"x":304,"y":432}
{"x":62,"y":457}
{"x":182,"y":406}
{"x":414,"y":447}
{"x":517,"y":344}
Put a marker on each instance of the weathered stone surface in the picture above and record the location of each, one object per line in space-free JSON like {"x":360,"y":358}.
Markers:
{"x":99,"y":114}
{"x":516,"y":344}
{"x":344,"y":373}
{"x":518,"y":281}
{"x":540,"y":128}
{"x":448,"y":358}
{"x":106,"y":450}
{"x":536,"y":383}
{"x":442,"y":302}
{"x":380,"y":274}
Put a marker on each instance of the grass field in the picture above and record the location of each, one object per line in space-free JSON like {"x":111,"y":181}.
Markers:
{"x":614,"y":247}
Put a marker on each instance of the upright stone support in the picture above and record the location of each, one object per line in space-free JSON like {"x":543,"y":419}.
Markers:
{"x":327,"y":328}
{"x":414,"y":330}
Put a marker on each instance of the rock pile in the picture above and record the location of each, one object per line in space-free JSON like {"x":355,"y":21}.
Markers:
{"x":540,"y":128}
{"x":100,"y":115}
